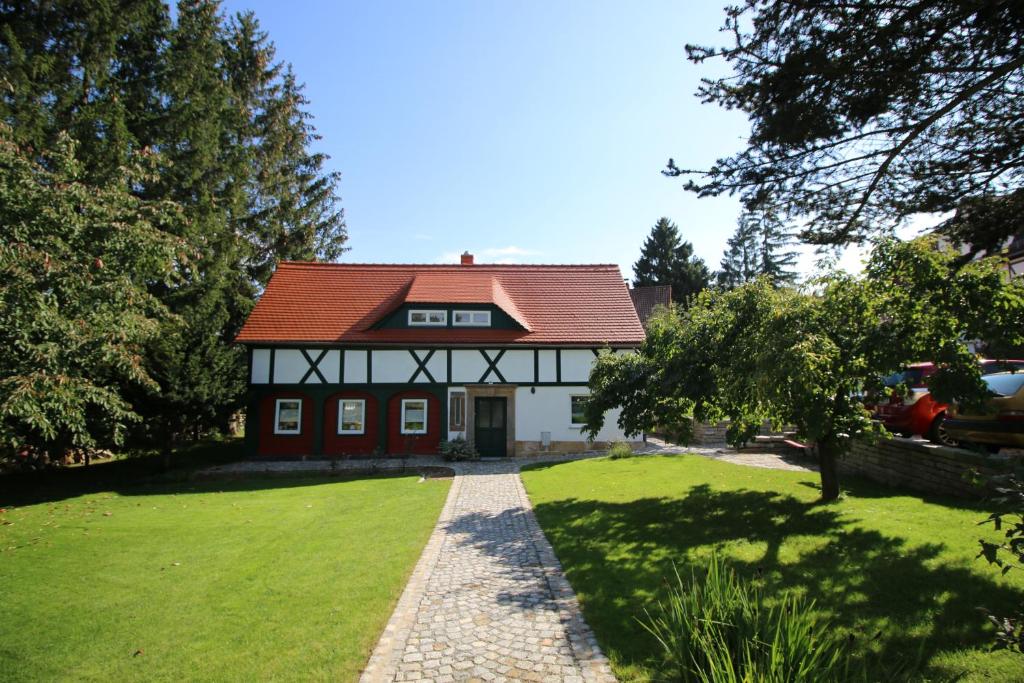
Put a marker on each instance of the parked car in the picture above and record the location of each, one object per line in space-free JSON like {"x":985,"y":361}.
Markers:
{"x":1000,"y":422}
{"x":918,"y":412}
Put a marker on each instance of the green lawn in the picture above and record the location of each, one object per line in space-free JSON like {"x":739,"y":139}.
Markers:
{"x":248,"y":580}
{"x":877,"y":562}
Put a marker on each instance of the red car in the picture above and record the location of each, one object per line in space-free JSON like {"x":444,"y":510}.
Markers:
{"x":918,"y":412}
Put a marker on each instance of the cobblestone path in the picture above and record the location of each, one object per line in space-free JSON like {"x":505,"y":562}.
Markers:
{"x":487,"y":600}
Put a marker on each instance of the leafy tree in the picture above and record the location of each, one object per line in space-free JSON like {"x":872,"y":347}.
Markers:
{"x":227,"y":129}
{"x":866,"y":112}
{"x":667,"y":259}
{"x":75,"y":314}
{"x":803,"y":358}
{"x":756,"y":249}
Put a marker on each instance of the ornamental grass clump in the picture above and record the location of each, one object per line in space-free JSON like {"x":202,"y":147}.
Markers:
{"x":716,"y":628}
{"x":619,"y":450}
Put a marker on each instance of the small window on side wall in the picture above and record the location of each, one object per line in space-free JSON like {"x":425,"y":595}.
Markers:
{"x":472,"y":319}
{"x":577,"y":415}
{"x":288,"y":416}
{"x":457,"y":412}
{"x":414,"y":416}
{"x":351,"y":416}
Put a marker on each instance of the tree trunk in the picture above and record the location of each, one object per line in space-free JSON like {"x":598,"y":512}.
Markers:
{"x":167,"y":447}
{"x":829,"y":473}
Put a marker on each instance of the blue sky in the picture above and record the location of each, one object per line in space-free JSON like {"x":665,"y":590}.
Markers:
{"x":522,"y":131}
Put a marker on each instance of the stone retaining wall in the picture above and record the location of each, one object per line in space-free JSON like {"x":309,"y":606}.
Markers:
{"x":923,"y":467}
{"x":705,"y":433}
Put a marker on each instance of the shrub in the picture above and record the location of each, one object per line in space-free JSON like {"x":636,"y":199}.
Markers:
{"x":458,"y":450}
{"x":620,"y":449}
{"x":716,"y":628}
{"x":1008,"y":555}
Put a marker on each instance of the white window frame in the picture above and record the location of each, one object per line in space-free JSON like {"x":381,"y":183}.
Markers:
{"x":429,"y":312}
{"x":405,"y":404}
{"x":575,"y":425}
{"x":277,"y":416}
{"x":362,"y":415}
{"x":471,"y":323}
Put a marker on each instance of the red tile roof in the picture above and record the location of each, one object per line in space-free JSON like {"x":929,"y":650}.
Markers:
{"x":332,"y":302}
{"x":646,"y":298}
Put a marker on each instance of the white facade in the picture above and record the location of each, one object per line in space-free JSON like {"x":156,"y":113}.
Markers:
{"x":549,"y":409}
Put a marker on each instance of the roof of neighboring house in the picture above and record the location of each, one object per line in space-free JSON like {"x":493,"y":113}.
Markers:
{"x":646,"y":298}
{"x":342,"y":303}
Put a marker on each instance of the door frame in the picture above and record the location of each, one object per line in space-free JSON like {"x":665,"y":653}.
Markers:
{"x":507,"y":391}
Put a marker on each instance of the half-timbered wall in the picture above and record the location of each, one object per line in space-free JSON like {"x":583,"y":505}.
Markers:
{"x":422,"y":366}
{"x":539,"y":384}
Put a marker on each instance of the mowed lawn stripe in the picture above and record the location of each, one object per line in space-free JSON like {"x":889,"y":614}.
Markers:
{"x":879,"y":561}
{"x":230,"y":580}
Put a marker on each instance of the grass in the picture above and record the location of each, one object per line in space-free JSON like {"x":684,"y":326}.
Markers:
{"x":896,"y":570}
{"x":242,"y":580}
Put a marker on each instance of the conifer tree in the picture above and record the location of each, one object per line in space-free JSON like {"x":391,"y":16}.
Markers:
{"x":740,"y":262}
{"x":667,"y":259}
{"x":758,"y":248}
{"x":227,"y":129}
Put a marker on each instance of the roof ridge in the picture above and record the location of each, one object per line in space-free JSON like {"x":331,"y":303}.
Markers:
{"x":465,"y":268}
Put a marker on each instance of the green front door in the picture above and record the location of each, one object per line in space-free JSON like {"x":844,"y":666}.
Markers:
{"x":489,"y":426}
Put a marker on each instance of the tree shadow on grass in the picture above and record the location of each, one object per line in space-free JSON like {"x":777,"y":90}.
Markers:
{"x":147,"y":475}
{"x":617,"y":556}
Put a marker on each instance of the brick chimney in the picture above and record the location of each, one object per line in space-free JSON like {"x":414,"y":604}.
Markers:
{"x":467,"y":258}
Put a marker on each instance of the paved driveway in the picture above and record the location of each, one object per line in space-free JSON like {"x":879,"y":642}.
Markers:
{"x":487,"y":600}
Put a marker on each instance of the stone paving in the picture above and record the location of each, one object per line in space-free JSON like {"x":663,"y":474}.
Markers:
{"x":488,"y":600}
{"x":751,"y":457}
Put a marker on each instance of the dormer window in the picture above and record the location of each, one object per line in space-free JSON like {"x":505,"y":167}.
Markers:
{"x":428,"y":318}
{"x":472,"y":319}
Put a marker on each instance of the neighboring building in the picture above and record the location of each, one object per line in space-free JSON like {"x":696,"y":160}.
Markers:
{"x":1013,"y":252}
{"x":354,"y":359}
{"x":646,"y":299}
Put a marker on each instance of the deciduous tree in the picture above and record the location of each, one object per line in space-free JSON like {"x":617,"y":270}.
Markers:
{"x":804,"y":357}
{"x":76,"y":260}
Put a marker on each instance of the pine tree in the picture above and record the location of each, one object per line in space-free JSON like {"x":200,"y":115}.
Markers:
{"x":758,"y":248}
{"x":740,"y":263}
{"x":201,"y":375}
{"x":85,"y":68}
{"x":294,"y":211}
{"x":666,"y":259}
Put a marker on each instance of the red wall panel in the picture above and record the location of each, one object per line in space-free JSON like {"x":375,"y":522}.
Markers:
{"x":416,"y":444}
{"x":350,"y":444}
{"x":292,"y":445}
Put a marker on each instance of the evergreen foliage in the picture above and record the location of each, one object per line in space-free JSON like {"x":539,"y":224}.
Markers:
{"x":865,"y":113}
{"x":226,"y":128}
{"x":667,"y":259}
{"x":758,"y":248}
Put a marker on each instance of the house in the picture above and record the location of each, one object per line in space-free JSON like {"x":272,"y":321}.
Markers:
{"x":647,"y":299}
{"x":355,"y":359}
